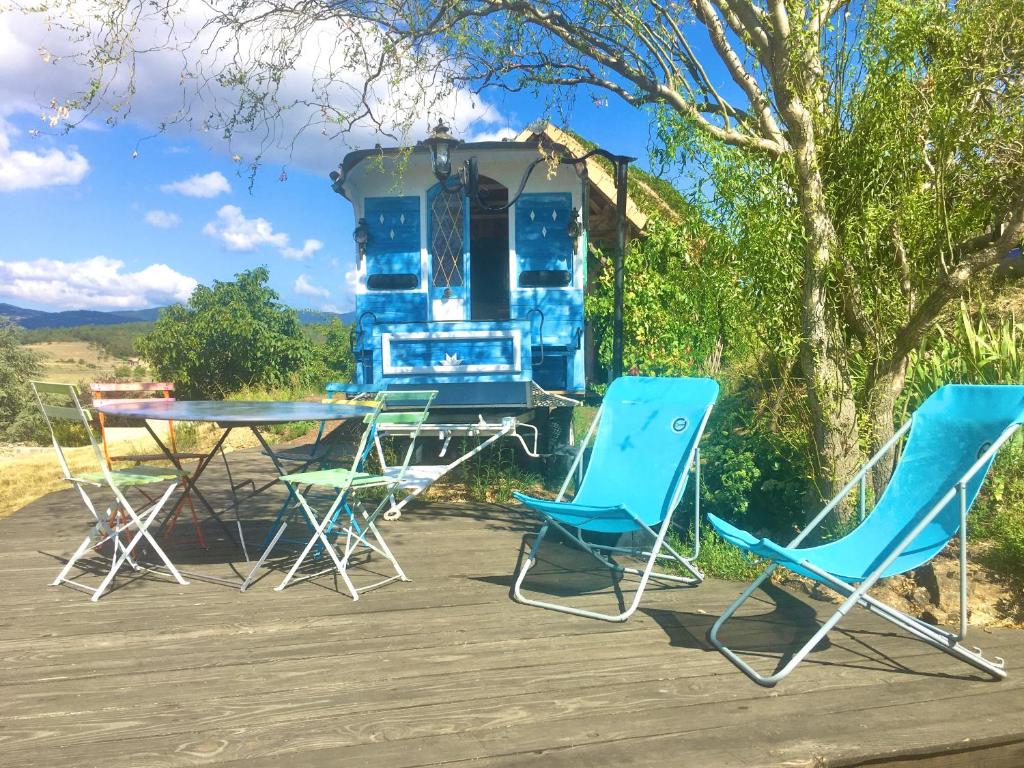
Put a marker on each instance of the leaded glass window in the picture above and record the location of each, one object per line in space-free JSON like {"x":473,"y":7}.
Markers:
{"x":446,"y":238}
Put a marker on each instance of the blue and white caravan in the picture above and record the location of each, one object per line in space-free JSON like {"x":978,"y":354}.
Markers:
{"x":472,"y":283}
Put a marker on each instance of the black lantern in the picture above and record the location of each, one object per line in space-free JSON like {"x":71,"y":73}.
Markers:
{"x":574,"y":229}
{"x":361,"y":234}
{"x":440,"y":143}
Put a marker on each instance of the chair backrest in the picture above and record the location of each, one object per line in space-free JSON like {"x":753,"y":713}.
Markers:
{"x":408,"y":409}
{"x":59,"y":403}
{"x":646,"y":437}
{"x":949,"y":433}
{"x":104,"y":392}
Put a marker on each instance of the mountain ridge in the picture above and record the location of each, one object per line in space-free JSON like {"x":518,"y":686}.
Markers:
{"x":37,"y":318}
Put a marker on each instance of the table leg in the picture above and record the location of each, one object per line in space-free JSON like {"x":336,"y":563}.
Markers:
{"x":191,"y":478}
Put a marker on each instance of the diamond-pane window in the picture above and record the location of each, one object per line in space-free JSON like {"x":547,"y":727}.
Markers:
{"x":446,"y":238}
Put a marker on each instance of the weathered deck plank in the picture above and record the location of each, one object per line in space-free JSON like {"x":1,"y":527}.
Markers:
{"x":446,"y":669}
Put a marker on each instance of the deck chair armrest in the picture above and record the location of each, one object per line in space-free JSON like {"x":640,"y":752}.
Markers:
{"x":579,"y":454}
{"x":861,"y":473}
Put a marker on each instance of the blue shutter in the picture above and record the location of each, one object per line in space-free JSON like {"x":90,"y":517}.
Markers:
{"x":542,"y":239}
{"x":393,"y":247}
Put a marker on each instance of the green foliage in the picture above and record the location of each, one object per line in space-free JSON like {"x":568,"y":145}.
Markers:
{"x":679,"y":303}
{"x":332,"y":353}
{"x":229,"y":336}
{"x":749,"y":474}
{"x":19,"y":413}
{"x":721,"y":560}
{"x":975,"y":349}
{"x":494,"y":473}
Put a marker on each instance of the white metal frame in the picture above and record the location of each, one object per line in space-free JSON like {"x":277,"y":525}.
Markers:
{"x":416,"y":479}
{"x":653,"y":555}
{"x":949,"y":642}
{"x":111,"y":525}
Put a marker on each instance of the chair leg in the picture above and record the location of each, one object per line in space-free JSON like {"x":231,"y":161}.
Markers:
{"x":142,"y":533}
{"x":944,"y":641}
{"x":645,"y":575}
{"x":319,"y":537}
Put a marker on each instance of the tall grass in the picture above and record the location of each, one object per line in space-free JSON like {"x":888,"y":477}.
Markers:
{"x":979,"y":349}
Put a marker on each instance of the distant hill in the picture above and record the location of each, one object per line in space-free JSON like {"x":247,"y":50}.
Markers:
{"x":36,"y":318}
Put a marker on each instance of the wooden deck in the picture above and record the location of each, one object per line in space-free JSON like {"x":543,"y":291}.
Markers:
{"x":446,"y":670}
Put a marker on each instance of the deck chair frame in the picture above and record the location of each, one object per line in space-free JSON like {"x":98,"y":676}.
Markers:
{"x":949,"y":642}
{"x":661,"y":550}
{"x":121,"y":517}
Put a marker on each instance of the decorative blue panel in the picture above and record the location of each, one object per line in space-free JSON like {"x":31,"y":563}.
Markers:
{"x":393,"y":246}
{"x":542,"y":238}
{"x":391,"y":306}
{"x":556,"y":320}
{"x":461,"y":351}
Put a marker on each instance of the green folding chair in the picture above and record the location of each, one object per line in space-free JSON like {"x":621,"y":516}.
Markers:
{"x":60,"y":403}
{"x":348,"y":521}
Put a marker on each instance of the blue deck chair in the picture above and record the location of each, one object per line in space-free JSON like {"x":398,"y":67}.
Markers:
{"x":954,"y":436}
{"x":644,"y":450}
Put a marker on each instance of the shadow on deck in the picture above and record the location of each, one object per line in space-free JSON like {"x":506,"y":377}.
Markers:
{"x":447,"y":670}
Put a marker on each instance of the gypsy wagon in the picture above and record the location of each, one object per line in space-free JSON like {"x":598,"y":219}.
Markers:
{"x":472,"y":282}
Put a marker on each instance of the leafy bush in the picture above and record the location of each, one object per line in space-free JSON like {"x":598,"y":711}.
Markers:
{"x":229,"y":336}
{"x":749,"y":474}
{"x":20,"y":420}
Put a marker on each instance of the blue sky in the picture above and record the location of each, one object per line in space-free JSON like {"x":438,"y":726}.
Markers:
{"x":88,"y":225}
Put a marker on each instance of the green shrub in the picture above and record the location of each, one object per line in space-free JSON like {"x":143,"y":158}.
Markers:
{"x":20,"y":420}
{"x":749,"y":475}
{"x":228,"y":336}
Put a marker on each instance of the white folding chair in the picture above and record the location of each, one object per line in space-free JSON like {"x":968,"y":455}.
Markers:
{"x":346,"y":519}
{"x":60,"y":403}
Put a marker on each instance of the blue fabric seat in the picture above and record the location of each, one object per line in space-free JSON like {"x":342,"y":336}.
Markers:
{"x":953,"y":438}
{"x":647,"y":432}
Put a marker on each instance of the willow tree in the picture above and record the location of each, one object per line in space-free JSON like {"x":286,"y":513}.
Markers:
{"x":921,"y":100}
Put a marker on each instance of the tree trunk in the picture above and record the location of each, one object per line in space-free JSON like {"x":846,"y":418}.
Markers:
{"x":881,"y":399}
{"x":823,"y":359}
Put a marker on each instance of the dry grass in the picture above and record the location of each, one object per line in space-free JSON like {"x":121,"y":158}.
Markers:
{"x":26,"y":474}
{"x":29,"y":473}
{"x":71,"y":362}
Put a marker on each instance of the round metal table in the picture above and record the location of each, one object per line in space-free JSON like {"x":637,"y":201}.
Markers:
{"x":229,"y":414}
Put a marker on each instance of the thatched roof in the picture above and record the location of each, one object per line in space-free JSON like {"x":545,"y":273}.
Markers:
{"x":647,"y":194}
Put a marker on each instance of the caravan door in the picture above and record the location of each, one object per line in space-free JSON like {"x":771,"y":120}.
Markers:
{"x":448,"y":212}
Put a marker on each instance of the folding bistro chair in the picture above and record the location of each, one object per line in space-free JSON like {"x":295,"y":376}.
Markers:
{"x":645,"y":447}
{"x":953,"y":438}
{"x":121,"y":519}
{"x":346,"y":518}
{"x":323,"y":452}
{"x":114,"y":392}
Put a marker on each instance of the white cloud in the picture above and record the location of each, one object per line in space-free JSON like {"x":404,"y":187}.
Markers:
{"x":166,"y":89}
{"x":25,"y":169}
{"x":308,"y":248}
{"x":499,"y":135}
{"x":99,"y":282}
{"x":201,"y":185}
{"x":304,"y":287}
{"x":238,"y":233}
{"x":162,"y":219}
